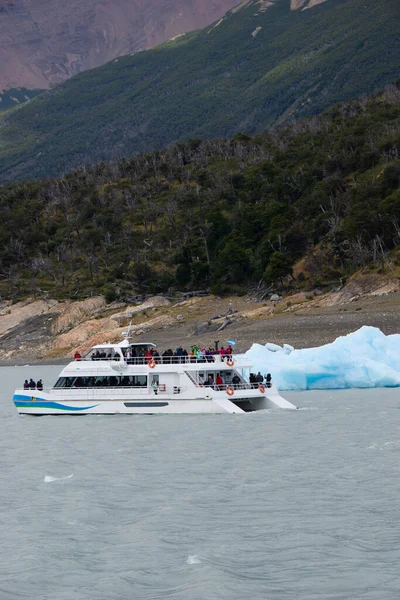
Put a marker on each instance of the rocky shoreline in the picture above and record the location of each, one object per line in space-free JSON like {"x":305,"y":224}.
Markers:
{"x":50,"y":331}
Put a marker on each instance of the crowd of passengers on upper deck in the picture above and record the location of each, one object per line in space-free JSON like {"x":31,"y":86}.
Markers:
{"x":133,"y":355}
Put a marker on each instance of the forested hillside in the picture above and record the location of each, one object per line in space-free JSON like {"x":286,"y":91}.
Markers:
{"x":220,"y":214}
{"x":263,"y":64}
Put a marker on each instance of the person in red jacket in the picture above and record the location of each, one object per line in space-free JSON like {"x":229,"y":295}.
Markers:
{"x":219,"y":382}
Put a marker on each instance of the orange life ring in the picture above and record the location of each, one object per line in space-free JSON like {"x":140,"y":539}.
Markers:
{"x":229,"y":390}
{"x":230,"y":362}
{"x":152,"y":363}
{"x":261,"y":388}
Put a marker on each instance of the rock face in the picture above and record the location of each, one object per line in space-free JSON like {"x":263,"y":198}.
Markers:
{"x":43,"y":42}
{"x":303,"y":4}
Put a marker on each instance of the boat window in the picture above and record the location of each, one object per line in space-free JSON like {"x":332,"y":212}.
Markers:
{"x":99,"y":381}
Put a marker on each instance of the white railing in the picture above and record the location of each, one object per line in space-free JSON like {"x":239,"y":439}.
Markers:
{"x":164,"y":360}
{"x":98,"y":393}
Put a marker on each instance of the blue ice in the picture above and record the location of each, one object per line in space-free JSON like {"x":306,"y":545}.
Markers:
{"x":366,"y":358}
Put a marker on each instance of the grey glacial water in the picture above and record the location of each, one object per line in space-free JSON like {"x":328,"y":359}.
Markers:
{"x":298,"y":505}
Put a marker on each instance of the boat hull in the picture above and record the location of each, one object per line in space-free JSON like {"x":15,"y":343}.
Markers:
{"x":40,"y":403}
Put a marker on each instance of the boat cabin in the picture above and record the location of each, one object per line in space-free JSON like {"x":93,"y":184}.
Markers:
{"x":122,"y":351}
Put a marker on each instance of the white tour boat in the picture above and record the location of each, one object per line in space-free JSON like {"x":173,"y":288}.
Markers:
{"x":120,"y":379}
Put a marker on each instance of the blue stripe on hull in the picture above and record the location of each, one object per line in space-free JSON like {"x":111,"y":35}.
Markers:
{"x":35,"y":402}
{"x":28,"y":398}
{"x":43,"y":404}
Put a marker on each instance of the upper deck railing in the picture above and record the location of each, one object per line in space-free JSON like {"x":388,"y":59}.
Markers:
{"x":165,"y":360}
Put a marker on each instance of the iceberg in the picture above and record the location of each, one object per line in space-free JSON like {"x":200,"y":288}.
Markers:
{"x":366,"y":358}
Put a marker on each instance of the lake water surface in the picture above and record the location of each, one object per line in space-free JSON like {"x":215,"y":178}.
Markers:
{"x":294,"y":505}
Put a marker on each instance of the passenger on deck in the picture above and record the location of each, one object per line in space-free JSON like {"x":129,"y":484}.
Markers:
{"x":253,"y":380}
{"x":268,"y":379}
{"x":219,"y":382}
{"x":210,"y":381}
{"x":39,"y":385}
{"x":26,"y":384}
{"x":77,"y":356}
{"x":32,"y":384}
{"x":236,"y":379}
{"x":166,"y":357}
{"x":154,"y":385}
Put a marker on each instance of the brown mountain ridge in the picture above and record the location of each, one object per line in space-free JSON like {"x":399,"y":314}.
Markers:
{"x":44,"y":42}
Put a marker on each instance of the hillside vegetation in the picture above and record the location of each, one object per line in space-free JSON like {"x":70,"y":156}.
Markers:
{"x":15,"y":97}
{"x":254,"y":69}
{"x":323,"y":194}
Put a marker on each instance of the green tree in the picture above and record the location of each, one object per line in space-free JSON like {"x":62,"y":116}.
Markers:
{"x":280,"y":265}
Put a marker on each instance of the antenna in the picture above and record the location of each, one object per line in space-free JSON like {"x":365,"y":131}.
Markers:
{"x":127,"y":334}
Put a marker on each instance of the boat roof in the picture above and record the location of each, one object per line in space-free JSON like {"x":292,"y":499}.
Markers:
{"x":123,"y":344}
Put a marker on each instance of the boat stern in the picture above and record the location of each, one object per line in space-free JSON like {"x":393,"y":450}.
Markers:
{"x":261,"y":398}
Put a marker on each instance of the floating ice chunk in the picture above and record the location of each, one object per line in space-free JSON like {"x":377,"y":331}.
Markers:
{"x":366,"y":358}
{"x":273,"y":347}
{"x":50,"y":479}
{"x":193,"y":559}
{"x":287,"y":348}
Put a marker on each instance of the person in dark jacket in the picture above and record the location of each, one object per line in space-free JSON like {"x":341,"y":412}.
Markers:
{"x":253,"y":380}
{"x":39,"y":385}
{"x":32,"y":384}
{"x":236,"y":379}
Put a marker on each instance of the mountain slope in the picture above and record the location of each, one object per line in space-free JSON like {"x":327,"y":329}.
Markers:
{"x":43,"y":42}
{"x":262,"y":64}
